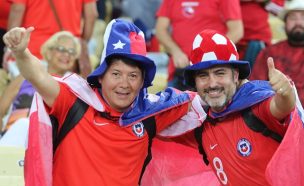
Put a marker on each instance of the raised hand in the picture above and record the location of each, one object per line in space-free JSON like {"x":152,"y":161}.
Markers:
{"x":17,"y":39}
{"x":280,"y":83}
{"x":180,"y":59}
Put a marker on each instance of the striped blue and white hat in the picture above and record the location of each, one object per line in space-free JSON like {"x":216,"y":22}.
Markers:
{"x":123,"y":38}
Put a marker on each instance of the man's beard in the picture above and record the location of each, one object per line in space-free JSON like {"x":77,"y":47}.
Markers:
{"x":217,"y":104}
{"x":295,"y":37}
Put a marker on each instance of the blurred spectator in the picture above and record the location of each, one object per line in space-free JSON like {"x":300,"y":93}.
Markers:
{"x":142,"y":13}
{"x":116,"y":8}
{"x":257,"y":31}
{"x":49,"y":17}
{"x":288,"y":55}
{"x":5,"y":7}
{"x":60,"y":51}
{"x":186,"y":19}
{"x":95,"y":44}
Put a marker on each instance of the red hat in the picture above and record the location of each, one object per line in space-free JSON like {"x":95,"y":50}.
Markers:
{"x":210,"y":49}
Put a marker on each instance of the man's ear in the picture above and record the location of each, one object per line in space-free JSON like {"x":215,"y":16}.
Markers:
{"x":142,"y":83}
{"x":100,"y":79}
{"x":236,"y":74}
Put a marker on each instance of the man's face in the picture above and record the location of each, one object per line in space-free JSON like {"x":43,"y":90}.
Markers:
{"x":216,"y":86}
{"x":294,"y":27}
{"x":121,"y":84}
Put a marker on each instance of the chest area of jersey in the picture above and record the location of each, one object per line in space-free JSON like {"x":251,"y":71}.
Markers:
{"x":233,"y":139}
{"x":190,"y":9}
{"x":108,"y":134}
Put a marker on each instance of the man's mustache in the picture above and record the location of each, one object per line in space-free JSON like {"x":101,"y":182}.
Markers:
{"x":214,"y":89}
{"x":295,"y":28}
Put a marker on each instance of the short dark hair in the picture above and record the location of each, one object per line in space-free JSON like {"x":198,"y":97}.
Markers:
{"x":127,"y":61}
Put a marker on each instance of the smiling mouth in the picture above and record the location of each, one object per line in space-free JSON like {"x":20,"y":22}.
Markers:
{"x":64,"y":61}
{"x":122,"y":94}
{"x":214,"y":92}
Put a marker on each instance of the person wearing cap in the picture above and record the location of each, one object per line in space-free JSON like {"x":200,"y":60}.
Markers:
{"x":110,"y":145}
{"x":178,"y":22}
{"x":237,"y":154}
{"x":287,"y":54}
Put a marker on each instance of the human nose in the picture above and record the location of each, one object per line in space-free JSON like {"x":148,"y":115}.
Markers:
{"x":299,"y":19}
{"x":212,"y":81}
{"x":124,"y":82}
{"x":300,"y":22}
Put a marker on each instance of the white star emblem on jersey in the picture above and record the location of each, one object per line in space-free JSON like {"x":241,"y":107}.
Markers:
{"x":119,"y":44}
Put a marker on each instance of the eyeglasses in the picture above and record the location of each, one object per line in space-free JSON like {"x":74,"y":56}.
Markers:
{"x":61,"y":49}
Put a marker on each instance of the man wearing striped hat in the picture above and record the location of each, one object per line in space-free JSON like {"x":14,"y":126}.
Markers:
{"x":110,"y":141}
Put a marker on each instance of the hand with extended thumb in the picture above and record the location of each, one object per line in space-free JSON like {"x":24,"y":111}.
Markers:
{"x":280,"y":83}
{"x":17,"y":39}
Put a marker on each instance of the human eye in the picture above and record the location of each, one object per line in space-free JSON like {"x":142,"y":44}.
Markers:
{"x":202,"y":75}
{"x":221,"y":72}
{"x":115,"y":74}
{"x":72,"y":51}
{"x":133,"y":76}
{"x":60,"y":49}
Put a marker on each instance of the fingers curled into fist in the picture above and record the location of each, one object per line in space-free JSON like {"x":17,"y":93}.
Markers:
{"x":280,"y":82}
{"x":17,"y":38}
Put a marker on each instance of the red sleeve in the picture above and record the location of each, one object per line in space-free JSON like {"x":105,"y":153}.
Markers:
{"x":168,"y":117}
{"x":230,"y":9}
{"x":164,"y":9}
{"x":262,"y":111}
{"x":278,"y":2}
{"x":187,"y":139}
{"x":62,"y":104}
{"x":17,"y":1}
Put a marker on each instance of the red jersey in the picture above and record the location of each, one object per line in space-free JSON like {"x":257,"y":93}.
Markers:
{"x":189,"y":17}
{"x":5,"y":8}
{"x":237,"y":154}
{"x":255,"y":19}
{"x":98,"y":151}
{"x":287,"y":59}
{"x":38,"y":13}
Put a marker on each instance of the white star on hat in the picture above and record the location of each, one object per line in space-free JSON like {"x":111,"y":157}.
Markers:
{"x":119,"y":44}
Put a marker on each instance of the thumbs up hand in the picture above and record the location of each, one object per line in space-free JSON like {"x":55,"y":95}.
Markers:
{"x":17,"y":39}
{"x":280,"y":83}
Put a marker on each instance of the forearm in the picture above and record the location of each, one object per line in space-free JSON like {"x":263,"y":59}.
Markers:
{"x":163,"y":35}
{"x":89,"y":17}
{"x":283,"y":104}
{"x":235,"y":30}
{"x":166,"y":40}
{"x":15,"y":16}
{"x":30,"y":67}
{"x":32,"y":70}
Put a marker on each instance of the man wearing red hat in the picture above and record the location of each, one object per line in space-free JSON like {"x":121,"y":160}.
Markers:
{"x":237,"y":154}
{"x":179,"y":21}
{"x":110,"y":142}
